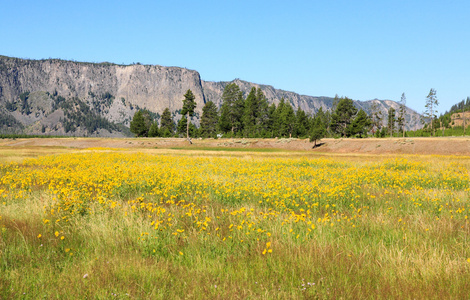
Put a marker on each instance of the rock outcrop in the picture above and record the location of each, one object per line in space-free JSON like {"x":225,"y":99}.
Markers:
{"x":36,"y":95}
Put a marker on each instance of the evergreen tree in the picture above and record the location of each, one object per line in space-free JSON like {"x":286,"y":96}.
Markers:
{"x":335,"y":102}
{"x":181,"y":126}
{"x":302,"y":124}
{"x":153,"y":131}
{"x":188,"y":109}
{"x":271,"y":120}
{"x":238,"y":109}
{"x":401,"y":120}
{"x":376,"y":119}
{"x":140,"y":123}
{"x":250,"y":114}
{"x":431,"y":107}
{"x":167,"y":126}
{"x":324,"y":118}
{"x":360,"y":125}
{"x":318,"y":131}
{"x":277,"y":122}
{"x":209,"y":119}
{"x":287,"y":120}
{"x":225,"y":125}
{"x":391,"y":120}
{"x":343,"y":115}
{"x":184,"y":128}
{"x":262,"y":114}
{"x":383,"y":132}
{"x":327,"y":121}
{"x":232,"y":109}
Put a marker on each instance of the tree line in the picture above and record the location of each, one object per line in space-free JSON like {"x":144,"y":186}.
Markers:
{"x":253,"y":117}
{"x":451,"y":123}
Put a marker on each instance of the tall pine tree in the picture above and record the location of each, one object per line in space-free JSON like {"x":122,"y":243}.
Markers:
{"x":209,"y":119}
{"x":401,"y":119}
{"x":302,"y":125}
{"x":271,"y":120}
{"x":431,"y":108}
{"x":141,"y":123}
{"x":318,"y":131}
{"x":391,"y":120}
{"x":250,"y":114}
{"x":262,"y":114}
{"x":343,"y":116}
{"x":360,"y":125}
{"x":232,"y":109}
{"x":188,"y":109}
{"x":167,"y":126}
{"x":287,"y":120}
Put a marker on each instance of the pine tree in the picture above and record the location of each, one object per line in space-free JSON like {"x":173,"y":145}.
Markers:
{"x":250,"y":114}
{"x":335,"y":102}
{"x":188,"y":109}
{"x":167,"y":126}
{"x":318,"y":131}
{"x":431,"y":107}
{"x":343,"y":115}
{"x":209,"y":119}
{"x":232,"y":109}
{"x":302,"y":124}
{"x":262,"y":114}
{"x":271,"y":120}
{"x":224,"y":120}
{"x":383,"y":132}
{"x":287,"y":120}
{"x":181,"y":126}
{"x":401,"y":120}
{"x":391,"y":120}
{"x":376,"y":119}
{"x":277,"y":122}
{"x":360,"y":125}
{"x":324,"y":117}
{"x":141,"y":123}
{"x":185,"y":127}
{"x":153,"y":131}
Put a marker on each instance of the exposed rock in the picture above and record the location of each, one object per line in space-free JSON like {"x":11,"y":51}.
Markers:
{"x":39,"y":93}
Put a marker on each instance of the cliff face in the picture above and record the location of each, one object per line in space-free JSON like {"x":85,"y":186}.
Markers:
{"x":47,"y":96}
{"x":152,"y":87}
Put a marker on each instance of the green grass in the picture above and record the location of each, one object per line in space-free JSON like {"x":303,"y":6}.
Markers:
{"x":230,"y":149}
{"x":384,"y":228}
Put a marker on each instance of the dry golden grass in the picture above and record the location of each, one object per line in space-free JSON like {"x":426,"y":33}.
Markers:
{"x":99,"y":222}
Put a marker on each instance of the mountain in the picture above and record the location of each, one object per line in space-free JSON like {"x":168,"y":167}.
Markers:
{"x":99,"y":99}
{"x":213,"y":92}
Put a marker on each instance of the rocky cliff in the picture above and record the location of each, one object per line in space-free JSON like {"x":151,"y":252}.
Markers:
{"x":114,"y":91}
{"x":49,"y":96}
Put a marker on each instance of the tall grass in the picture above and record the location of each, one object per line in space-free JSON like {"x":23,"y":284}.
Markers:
{"x":130,"y":225}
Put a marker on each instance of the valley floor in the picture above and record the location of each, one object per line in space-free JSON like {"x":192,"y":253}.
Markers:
{"x":417,"y":146}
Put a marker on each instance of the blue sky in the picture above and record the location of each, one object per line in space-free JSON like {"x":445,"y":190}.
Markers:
{"x":359,"y":49}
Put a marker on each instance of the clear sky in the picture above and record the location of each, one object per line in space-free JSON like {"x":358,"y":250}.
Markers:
{"x":359,"y":49}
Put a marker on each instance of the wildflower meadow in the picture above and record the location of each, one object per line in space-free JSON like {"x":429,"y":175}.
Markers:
{"x":112,"y":223}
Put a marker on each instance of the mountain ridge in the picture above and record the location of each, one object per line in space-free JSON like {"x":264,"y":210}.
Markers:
{"x":113,"y":93}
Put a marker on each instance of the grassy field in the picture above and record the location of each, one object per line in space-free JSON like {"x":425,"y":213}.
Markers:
{"x":169,"y":223}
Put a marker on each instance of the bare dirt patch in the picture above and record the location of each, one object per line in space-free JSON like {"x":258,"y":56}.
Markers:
{"x":439,"y":146}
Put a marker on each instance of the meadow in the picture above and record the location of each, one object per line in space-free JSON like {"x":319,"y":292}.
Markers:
{"x":166,"y":224}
